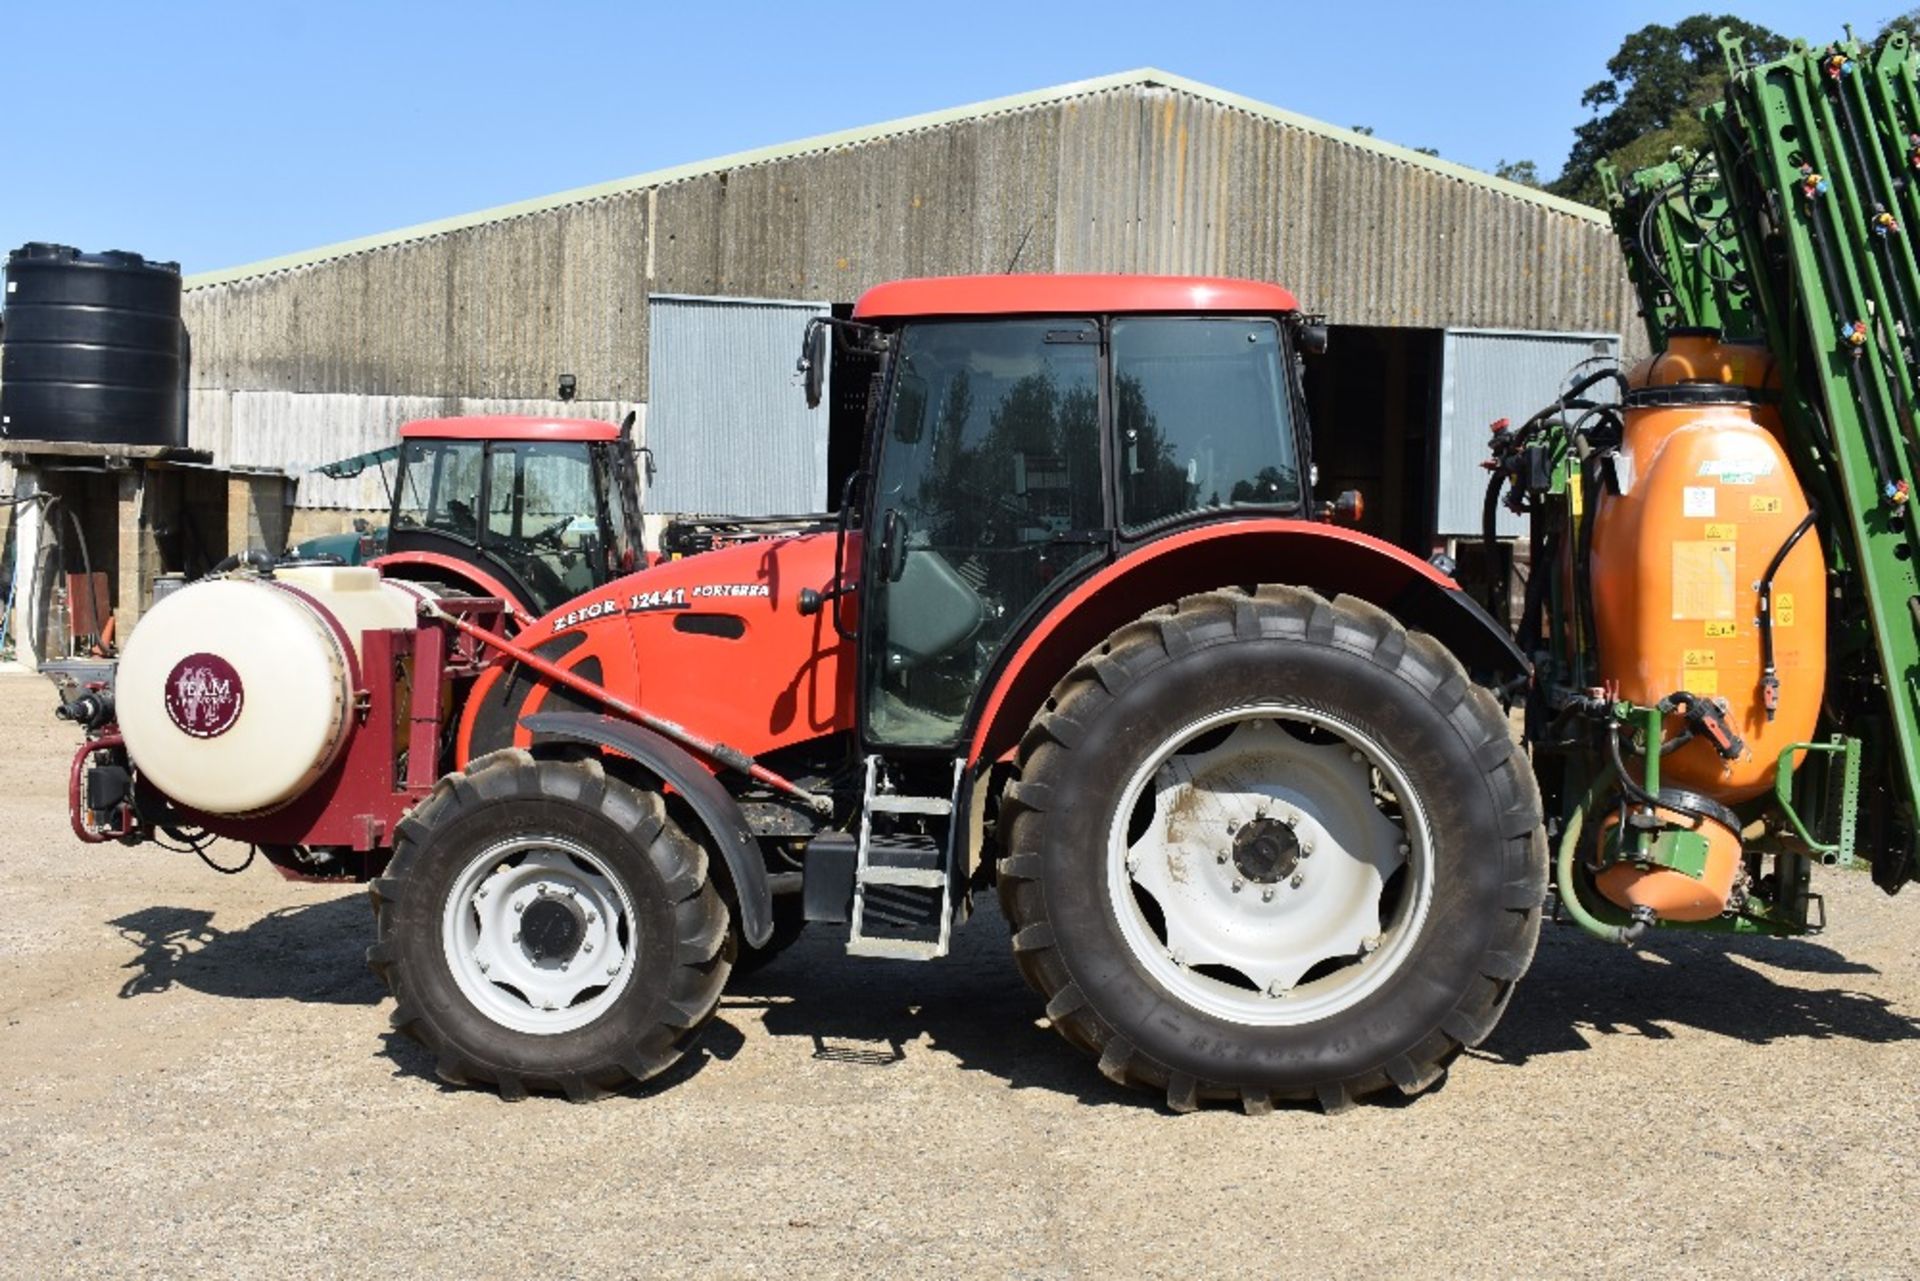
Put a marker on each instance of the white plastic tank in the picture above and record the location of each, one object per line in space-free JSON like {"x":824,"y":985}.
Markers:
{"x":234,"y":694}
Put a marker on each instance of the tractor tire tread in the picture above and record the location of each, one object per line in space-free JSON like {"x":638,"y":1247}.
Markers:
{"x":1273,"y":611}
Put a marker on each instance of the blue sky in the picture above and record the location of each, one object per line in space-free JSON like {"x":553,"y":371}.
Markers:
{"x":222,"y":132}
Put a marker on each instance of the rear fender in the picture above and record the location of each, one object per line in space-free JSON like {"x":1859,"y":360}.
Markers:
{"x":718,"y":812}
{"x":1325,"y":558}
{"x":438,"y":567}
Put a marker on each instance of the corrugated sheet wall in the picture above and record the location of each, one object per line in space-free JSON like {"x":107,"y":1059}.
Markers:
{"x":728,"y":424}
{"x":1486,"y":377}
{"x":1134,"y":179}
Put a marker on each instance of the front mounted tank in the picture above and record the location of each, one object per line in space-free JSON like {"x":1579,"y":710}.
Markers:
{"x":235,"y":694}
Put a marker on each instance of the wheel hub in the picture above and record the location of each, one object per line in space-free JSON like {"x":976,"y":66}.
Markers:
{"x":553,"y":927}
{"x":539,"y":934}
{"x":1262,"y":841}
{"x":1266,"y":851}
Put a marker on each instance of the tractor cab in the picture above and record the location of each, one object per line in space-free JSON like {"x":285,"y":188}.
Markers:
{"x":533,"y":510}
{"x":1025,"y":430}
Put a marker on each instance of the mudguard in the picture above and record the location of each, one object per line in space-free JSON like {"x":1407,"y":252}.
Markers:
{"x":1321,"y":557}
{"x":678,"y":769}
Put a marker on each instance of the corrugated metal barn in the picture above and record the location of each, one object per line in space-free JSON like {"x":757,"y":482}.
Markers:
{"x":683,"y":292}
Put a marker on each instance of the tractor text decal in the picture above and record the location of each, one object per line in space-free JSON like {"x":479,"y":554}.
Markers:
{"x":659,"y":598}
{"x":203,"y":695}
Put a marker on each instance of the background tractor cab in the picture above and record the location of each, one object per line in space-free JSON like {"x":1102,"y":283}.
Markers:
{"x":532,"y":510}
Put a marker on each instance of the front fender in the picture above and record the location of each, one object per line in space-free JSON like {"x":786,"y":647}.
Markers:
{"x":716,"y":808}
{"x":1325,"y":558}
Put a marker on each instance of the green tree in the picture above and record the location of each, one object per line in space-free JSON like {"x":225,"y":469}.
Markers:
{"x":1908,"y":22}
{"x":1524,"y":172}
{"x":1651,"y":99}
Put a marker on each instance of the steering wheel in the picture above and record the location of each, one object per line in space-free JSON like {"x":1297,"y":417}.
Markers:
{"x":552,"y":533}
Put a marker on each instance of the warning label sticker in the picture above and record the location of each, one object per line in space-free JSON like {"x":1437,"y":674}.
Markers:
{"x":1783,"y":609}
{"x":1696,"y":502}
{"x":1703,"y":581}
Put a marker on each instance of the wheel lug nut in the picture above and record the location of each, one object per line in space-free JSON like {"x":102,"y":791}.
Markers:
{"x":1275,"y":990}
{"x":1220,"y":857}
{"x":1266,"y":896}
{"x":1370,"y":944}
{"x":1355,"y":757}
{"x":613,"y":969}
{"x":1293,"y":820}
{"x":1237,"y":883}
{"x":584,"y":947}
{"x":1297,"y":881}
{"x":541,"y":889}
{"x":592,"y":917}
{"x":516,"y":936}
{"x":1405,"y":848}
{"x":484,"y":966}
{"x":481,"y":892}
{"x":519,"y":907}
{"x":1306,"y":849}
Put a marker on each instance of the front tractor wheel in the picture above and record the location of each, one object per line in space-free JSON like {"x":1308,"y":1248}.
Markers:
{"x":543,"y":926}
{"x":1264,"y":845}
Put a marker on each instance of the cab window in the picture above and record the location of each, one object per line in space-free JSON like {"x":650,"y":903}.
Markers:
{"x":1204,"y":415}
{"x":440,"y":488}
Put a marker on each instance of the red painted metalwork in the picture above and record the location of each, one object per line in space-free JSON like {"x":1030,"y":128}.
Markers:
{"x":488,"y":584}
{"x":508,"y":427}
{"x":777,"y":679}
{"x":712,"y":749}
{"x":1311,"y":554}
{"x":76,"y":810}
{"x":1070,"y":295}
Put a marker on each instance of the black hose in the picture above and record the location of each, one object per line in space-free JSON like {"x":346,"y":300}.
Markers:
{"x":253,"y":556}
{"x":1769,"y":674}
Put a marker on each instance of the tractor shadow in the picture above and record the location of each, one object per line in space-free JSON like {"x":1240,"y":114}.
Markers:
{"x":971,"y":1005}
{"x":974,"y":1007}
{"x":310,"y":952}
{"x":314,"y":953}
{"x":1580,"y":990}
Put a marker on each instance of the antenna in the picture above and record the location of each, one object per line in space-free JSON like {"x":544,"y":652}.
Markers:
{"x":1019,"y":249}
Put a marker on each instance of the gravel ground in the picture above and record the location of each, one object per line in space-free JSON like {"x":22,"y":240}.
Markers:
{"x":199,"y":1080}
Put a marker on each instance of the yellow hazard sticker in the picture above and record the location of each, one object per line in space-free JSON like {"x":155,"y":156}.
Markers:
{"x":1723,"y":532}
{"x":1721,"y":631}
{"x":1783,"y":610}
{"x":1703,"y":581}
{"x":1701,"y":680}
{"x":1764,"y":505}
{"x":1697,"y":658}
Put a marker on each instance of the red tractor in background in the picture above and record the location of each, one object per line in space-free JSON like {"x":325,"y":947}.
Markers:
{"x":1078,"y":632}
{"x":531,"y":511}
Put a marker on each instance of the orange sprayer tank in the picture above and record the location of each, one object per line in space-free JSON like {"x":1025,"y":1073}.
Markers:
{"x":1708,"y":497}
{"x":1704,"y":356}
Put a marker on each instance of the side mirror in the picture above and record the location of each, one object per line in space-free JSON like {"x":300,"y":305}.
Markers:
{"x":812,"y":365}
{"x":1312,"y":337}
{"x":648,"y":467}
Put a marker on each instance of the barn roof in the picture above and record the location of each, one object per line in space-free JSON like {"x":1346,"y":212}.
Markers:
{"x":1144,"y":78}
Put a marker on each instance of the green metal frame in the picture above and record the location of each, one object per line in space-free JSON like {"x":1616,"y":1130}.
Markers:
{"x":1793,"y":229}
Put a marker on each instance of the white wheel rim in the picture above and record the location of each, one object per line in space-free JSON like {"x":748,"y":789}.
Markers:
{"x":1328,"y":845}
{"x":504,"y":975}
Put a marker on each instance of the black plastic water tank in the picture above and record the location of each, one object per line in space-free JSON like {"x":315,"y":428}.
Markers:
{"x":92,"y":350}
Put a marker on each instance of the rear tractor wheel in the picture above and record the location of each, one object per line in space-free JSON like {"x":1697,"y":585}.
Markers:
{"x":543,"y":926}
{"x":1265,"y":846}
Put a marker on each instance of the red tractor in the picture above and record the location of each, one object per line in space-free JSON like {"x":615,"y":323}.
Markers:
{"x":532,"y":511}
{"x":1079,"y":633}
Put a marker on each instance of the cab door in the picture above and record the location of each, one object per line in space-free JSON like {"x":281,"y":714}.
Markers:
{"x":987,"y":488}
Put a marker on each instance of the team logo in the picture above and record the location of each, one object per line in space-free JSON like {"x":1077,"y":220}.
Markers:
{"x":203,"y":695}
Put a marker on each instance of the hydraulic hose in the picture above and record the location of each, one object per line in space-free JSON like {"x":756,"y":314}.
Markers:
{"x":1570,"y":901}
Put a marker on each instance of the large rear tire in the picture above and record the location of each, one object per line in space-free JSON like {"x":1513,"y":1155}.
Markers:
{"x":543,"y":926}
{"x":1267,"y":846}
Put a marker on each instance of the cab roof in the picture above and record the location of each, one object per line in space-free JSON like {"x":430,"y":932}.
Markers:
{"x":508,"y":427}
{"x":1070,"y":295}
